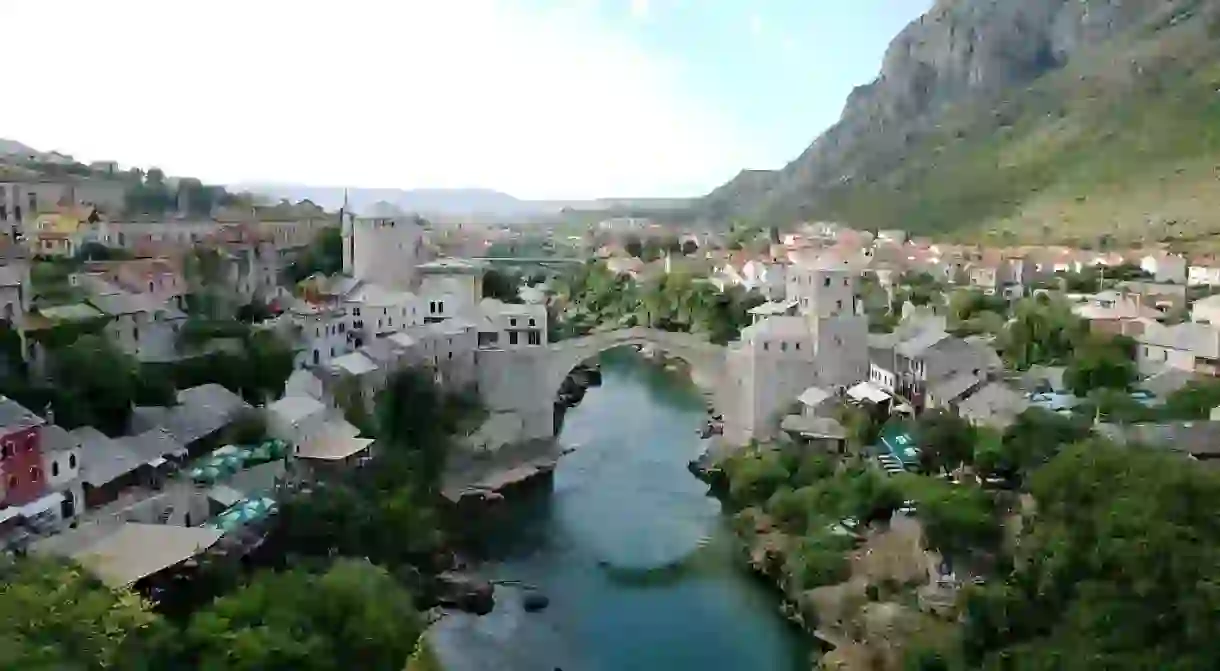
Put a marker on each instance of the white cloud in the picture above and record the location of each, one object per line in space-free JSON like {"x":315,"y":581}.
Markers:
{"x":756,"y":24}
{"x":789,"y":45}
{"x":410,"y":93}
{"x":639,"y":9}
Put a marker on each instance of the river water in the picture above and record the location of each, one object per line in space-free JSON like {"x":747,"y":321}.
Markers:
{"x":637,"y":560}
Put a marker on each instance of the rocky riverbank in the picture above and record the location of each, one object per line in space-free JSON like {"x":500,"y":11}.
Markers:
{"x":864,"y":613}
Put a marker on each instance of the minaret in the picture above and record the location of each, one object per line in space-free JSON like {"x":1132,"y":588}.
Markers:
{"x":345,"y":226}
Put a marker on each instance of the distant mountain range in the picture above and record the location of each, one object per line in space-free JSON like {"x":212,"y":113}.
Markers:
{"x":469,"y":204}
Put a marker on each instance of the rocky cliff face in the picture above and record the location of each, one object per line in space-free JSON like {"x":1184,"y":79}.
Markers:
{"x":959,"y":51}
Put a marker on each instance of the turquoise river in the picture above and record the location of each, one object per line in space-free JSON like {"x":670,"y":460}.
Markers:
{"x":636,"y":558}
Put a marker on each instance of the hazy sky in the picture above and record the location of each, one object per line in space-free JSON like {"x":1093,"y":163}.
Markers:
{"x":538,"y":98}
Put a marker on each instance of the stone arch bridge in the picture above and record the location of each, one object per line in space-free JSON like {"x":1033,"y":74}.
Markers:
{"x":706,"y":360}
{"x":525,"y":381}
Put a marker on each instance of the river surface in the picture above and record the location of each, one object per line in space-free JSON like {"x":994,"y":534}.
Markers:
{"x":635,"y":556}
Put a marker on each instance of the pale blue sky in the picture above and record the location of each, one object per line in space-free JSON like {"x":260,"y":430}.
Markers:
{"x":538,"y":98}
{"x":779,"y":69}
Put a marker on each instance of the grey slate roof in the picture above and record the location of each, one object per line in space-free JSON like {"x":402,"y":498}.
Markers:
{"x":201,"y":411}
{"x":56,"y":438}
{"x":103,"y":460}
{"x":920,"y":343}
{"x":954,"y":387}
{"x":14,"y":416}
{"x":994,"y":405}
{"x":153,"y":444}
{"x":1167,"y":381}
{"x":1199,"y":438}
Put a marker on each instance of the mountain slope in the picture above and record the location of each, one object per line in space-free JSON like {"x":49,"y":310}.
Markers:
{"x":1022,"y":119}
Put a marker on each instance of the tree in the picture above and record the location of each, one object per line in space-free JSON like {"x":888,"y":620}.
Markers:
{"x":352,"y":616}
{"x":324,"y":255}
{"x":415,"y":420}
{"x":1101,"y":362}
{"x":267,"y":363}
{"x":102,"y":377}
{"x":1036,"y":437}
{"x":1043,"y":331}
{"x":634,"y":246}
{"x":501,"y":286}
{"x":1193,"y":401}
{"x":1117,"y":570}
{"x":96,"y":251}
{"x":946,"y":441}
{"x":958,"y":520}
{"x":54,"y":615}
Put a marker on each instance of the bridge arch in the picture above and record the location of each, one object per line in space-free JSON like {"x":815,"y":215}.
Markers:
{"x":706,"y":360}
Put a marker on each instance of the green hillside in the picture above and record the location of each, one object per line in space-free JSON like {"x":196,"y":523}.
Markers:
{"x":1125,"y":141}
{"x":1114,"y":138}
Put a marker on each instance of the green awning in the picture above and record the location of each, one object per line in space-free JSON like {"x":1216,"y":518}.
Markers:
{"x":900,"y":443}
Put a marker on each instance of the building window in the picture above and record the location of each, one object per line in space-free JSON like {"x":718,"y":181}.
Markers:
{"x":71,"y":461}
{"x":512,"y":337}
{"x":35,"y":473}
{"x":512,"y":321}
{"x":783,"y":346}
{"x":532,"y":323}
{"x":440,"y":305}
{"x":12,"y":482}
{"x":316,"y":357}
{"x":55,"y":468}
{"x":826,"y":281}
{"x":844,"y":281}
{"x":798,"y":347}
{"x":839,"y":304}
{"x":451,"y":356}
{"x":355,"y":312}
{"x":535,"y":337}
{"x":766,"y":346}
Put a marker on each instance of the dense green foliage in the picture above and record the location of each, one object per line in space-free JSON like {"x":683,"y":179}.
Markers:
{"x":353,"y":615}
{"x":324,"y":255}
{"x":56,"y":616}
{"x":149,"y":193}
{"x":972,"y":312}
{"x":256,"y":365}
{"x":501,"y":285}
{"x":595,"y":296}
{"x":1043,"y":331}
{"x":1118,"y":570}
{"x":1101,"y":362}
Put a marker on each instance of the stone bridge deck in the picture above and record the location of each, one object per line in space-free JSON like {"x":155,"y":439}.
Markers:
{"x":707,"y":360}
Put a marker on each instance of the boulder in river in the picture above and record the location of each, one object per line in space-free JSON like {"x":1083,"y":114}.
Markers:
{"x":533,"y":602}
{"x":464,"y":592}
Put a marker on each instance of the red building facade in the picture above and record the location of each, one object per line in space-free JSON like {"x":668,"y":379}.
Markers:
{"x":20,"y":455}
